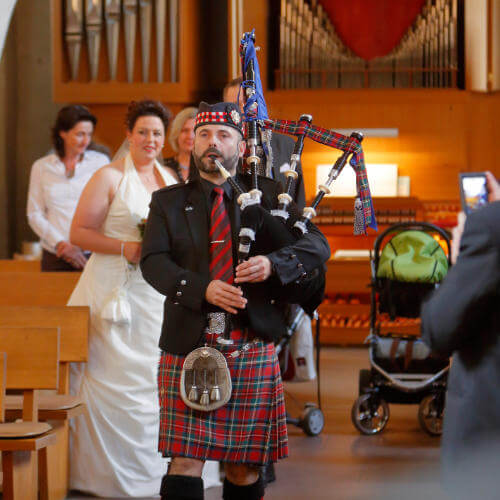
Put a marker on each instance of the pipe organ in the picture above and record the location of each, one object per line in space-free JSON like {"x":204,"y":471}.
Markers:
{"x":311,"y":54}
{"x":93,"y":21}
{"x":427,"y":56}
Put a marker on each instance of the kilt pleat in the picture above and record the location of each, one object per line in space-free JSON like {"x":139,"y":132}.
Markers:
{"x":249,"y":429}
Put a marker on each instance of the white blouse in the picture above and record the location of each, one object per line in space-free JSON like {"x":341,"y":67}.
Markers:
{"x":53,"y":197}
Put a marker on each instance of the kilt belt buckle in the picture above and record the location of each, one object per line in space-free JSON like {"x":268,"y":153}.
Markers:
{"x":205,"y":379}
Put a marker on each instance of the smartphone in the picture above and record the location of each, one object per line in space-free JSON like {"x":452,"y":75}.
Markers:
{"x":473,"y":191}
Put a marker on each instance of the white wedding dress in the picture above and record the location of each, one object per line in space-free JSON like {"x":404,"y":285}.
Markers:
{"x":113,"y":446}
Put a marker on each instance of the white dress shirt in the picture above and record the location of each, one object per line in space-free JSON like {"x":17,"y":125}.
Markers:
{"x":53,"y":197}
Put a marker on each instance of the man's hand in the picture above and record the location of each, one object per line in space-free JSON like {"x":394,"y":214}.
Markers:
{"x":71,"y":254}
{"x":253,"y":270}
{"x":225,"y":296}
{"x":493,"y":187}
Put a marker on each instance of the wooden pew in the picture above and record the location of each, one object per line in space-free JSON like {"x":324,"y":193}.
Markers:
{"x":36,"y":289}
{"x":32,"y":363}
{"x":19,"y":266}
{"x":73,"y":323}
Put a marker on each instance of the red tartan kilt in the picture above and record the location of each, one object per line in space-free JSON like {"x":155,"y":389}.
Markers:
{"x":249,"y":429}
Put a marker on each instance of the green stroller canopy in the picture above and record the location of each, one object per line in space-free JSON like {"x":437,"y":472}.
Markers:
{"x":413,"y":256}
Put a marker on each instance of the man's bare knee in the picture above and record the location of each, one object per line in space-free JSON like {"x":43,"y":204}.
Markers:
{"x":241,"y":474}
{"x":184,"y":466}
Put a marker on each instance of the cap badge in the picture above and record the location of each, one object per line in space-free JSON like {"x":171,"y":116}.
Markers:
{"x":235,"y":117}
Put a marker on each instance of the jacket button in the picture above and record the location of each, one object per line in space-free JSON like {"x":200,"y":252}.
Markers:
{"x":179,"y":294}
{"x":176,"y":303}
{"x":292,"y":256}
{"x":299,"y":265}
{"x":272,"y":301}
{"x":183,"y":282}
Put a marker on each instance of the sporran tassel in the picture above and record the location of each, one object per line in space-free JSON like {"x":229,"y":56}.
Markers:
{"x":193,"y":392}
{"x":205,"y":398}
{"x":215,"y":392}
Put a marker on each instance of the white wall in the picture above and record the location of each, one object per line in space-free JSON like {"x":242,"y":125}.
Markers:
{"x":6,"y":8}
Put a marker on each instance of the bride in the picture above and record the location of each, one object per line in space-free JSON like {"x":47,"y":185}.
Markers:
{"x":114,"y":444}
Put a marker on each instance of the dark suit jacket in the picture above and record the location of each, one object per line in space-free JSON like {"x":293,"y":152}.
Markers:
{"x":175,"y":261}
{"x":282,"y":149}
{"x":463,"y":317}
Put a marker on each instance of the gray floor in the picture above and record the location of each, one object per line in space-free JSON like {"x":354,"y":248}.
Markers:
{"x":400,"y":463}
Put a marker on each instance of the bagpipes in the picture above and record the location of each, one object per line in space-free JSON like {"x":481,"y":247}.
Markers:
{"x":262,"y":231}
{"x":274,"y":230}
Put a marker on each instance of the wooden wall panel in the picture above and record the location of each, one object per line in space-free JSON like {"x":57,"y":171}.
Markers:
{"x":441,"y":132}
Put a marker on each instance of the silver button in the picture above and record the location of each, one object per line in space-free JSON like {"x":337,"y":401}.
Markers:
{"x":176,"y":303}
{"x":183,"y":282}
{"x":179,"y":294}
{"x":272,"y":301}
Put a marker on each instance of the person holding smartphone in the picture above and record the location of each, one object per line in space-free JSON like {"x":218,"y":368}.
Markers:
{"x":462,"y":319}
{"x":493,"y":190}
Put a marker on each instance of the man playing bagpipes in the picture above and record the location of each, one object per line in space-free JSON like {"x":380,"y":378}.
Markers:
{"x":220,"y":390}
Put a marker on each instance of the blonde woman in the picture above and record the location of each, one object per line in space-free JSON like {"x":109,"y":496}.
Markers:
{"x":181,"y":138}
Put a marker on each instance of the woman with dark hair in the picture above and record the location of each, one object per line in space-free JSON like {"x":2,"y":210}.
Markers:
{"x":113,"y":446}
{"x":56,"y":183}
{"x":181,"y":138}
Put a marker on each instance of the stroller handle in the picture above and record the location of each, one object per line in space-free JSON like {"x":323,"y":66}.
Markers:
{"x":408,"y":226}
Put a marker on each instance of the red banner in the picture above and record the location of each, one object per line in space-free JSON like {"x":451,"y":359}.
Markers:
{"x":372,"y":28}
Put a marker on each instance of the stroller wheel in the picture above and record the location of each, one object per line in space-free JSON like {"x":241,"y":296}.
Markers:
{"x":312,"y":420}
{"x":430,"y":414}
{"x":369,"y":414}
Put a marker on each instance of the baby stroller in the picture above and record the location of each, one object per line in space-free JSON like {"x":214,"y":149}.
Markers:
{"x":408,"y":263}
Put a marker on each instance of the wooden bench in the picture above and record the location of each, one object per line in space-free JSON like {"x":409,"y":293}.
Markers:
{"x":73,"y":323}
{"x":36,"y":289}
{"x":32,"y":363}
{"x":19,"y":266}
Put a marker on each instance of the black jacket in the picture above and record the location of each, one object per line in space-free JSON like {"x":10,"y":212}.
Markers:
{"x":175,"y":261}
{"x":463,"y":318}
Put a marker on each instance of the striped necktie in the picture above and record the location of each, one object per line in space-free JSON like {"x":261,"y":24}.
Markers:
{"x":221,"y":251}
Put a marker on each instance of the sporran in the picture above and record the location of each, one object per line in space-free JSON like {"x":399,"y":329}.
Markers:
{"x":205,"y":377}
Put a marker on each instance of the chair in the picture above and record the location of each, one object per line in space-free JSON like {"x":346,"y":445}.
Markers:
{"x":29,"y":360}
{"x":59,"y":408}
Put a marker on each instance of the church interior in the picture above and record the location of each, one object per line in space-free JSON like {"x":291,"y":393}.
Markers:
{"x":420,"y":79}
